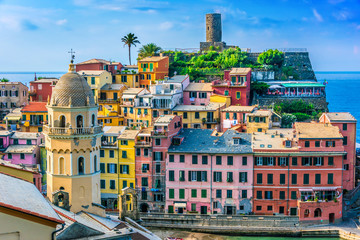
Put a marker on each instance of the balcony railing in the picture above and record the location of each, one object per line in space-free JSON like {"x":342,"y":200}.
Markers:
{"x":109,"y":100}
{"x":72,"y":131}
{"x":142,"y":144}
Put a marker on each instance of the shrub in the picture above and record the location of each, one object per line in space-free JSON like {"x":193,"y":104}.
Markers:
{"x":287,"y":120}
{"x":259,"y":87}
{"x":271,"y":57}
{"x":301,"y":117}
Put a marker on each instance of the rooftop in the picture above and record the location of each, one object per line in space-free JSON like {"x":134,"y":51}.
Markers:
{"x":17,"y":166}
{"x":273,"y":139}
{"x":20,"y":149}
{"x":91,"y":72}
{"x":45,"y":80}
{"x":340,"y":117}
{"x":25,"y":135}
{"x":109,"y":86}
{"x":240,"y":71}
{"x":177,"y":78}
{"x":129,"y":134}
{"x":210,"y":107}
{"x":5,"y":133}
{"x":164,"y":119}
{"x":145,"y":131}
{"x":239,"y":109}
{"x":130,"y":66}
{"x":97,"y":60}
{"x":317,"y":131}
{"x":152,"y":59}
{"x":133,"y":91}
{"x":261,"y":113}
{"x":23,"y":196}
{"x":202,"y":141}
{"x":113,"y":130}
{"x":35,"y":107}
{"x":199,"y":87}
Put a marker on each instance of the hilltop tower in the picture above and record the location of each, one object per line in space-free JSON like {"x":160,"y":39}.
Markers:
{"x":213,"y":27}
{"x":72,"y":141}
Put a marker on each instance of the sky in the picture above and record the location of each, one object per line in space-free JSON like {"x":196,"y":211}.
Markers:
{"x":36,"y":35}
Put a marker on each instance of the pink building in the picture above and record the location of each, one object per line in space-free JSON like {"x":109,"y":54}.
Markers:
{"x":197,"y":94}
{"x":347,"y":125}
{"x":235,"y":116}
{"x":236,"y":84}
{"x":165,"y":128}
{"x":4,"y":139}
{"x":209,"y":172}
{"x":23,"y":148}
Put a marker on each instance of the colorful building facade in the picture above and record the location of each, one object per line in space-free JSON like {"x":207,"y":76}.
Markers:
{"x":152,"y":69}
{"x":34,"y":116}
{"x":41,"y":89}
{"x":198,"y":94}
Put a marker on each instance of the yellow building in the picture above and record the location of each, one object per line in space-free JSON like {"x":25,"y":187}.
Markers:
{"x":133,"y":100}
{"x":33,"y":116}
{"x":96,"y":80}
{"x":198,"y":116}
{"x":262,"y":120}
{"x":109,"y":166}
{"x":72,"y":141}
{"x":151,"y":69}
{"x":221,"y":99}
{"x":109,"y":117}
{"x":143,"y":113}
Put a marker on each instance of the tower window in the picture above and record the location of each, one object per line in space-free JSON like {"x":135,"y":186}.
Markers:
{"x":81,"y":166}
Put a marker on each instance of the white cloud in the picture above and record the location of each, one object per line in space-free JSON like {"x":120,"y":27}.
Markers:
{"x":342,"y":15}
{"x":61,"y":22}
{"x":317,"y":15}
{"x":166,"y":26}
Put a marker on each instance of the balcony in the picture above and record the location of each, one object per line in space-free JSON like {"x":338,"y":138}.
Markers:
{"x":160,"y":133}
{"x":72,"y":131}
{"x":108,"y":144}
{"x":109,"y":100}
{"x":210,"y":120}
{"x":143,"y":144}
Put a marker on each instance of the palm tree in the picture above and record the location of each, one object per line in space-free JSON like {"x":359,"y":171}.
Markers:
{"x":130,"y":39}
{"x":149,"y":50}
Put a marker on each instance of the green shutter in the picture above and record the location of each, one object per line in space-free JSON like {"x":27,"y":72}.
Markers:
{"x":193,"y":193}
{"x":171,"y":193}
{"x":181,"y":193}
{"x":203,"y":193}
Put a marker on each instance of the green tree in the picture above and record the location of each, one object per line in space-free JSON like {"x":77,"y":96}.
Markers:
{"x":271,"y":57}
{"x":301,"y":117}
{"x":4,"y":80}
{"x":259,"y":87}
{"x":149,"y":50}
{"x":287,"y":120}
{"x":129,"y":40}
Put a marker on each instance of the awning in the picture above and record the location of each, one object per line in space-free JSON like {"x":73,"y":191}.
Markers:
{"x":314,"y":84}
{"x":275,"y":87}
{"x":109,"y":195}
{"x":305,"y":190}
{"x":324,"y":188}
{"x":12,"y":118}
{"x":182,"y":205}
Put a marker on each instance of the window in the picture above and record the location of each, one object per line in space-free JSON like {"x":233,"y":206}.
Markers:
{"x":171,"y":158}
{"x":144,"y":195}
{"x":124,"y":154}
{"x":9,"y":155}
{"x":330,"y":144}
{"x":268,"y":195}
{"x":182,"y":175}
{"x":218,"y":160}
{"x":204,"y":160}
{"x":171,"y":193}
{"x":202,"y":95}
{"x":294,"y":179}
{"x":293,"y":195}
{"x":288,"y":143}
{"x":244,"y":161}
{"x":307,"y":144}
{"x":185,"y":115}
{"x":227,"y":115}
{"x":203,"y":193}
{"x":243,"y":177}
{"x":259,"y":178}
{"x":330,"y":161}
{"x":218,"y":193}
{"x":171,"y":175}
{"x":226,"y":93}
{"x":181,"y":193}
{"x":258,"y":208}
{"x":230,"y":160}
{"x":346,"y":166}
{"x":282,"y":178}
{"x":144,"y":182}
{"x":318,"y":161}
{"x":157,"y":168}
{"x":294,"y":161}
{"x":344,"y":126}
{"x":269,"y":208}
{"x":259,"y":161}
{"x":123,"y":142}
{"x":102,"y":184}
{"x":157,"y":141}
{"x":259,"y":194}
{"x":193,"y":94}
{"x":197,"y":115}
{"x":146,"y":152}
{"x":228,"y":193}
{"x":283,"y":161}
{"x":282,"y":195}
{"x":217,"y":177}
{"x":193,"y":193}
{"x":111,"y":168}
{"x":306,"y":161}
{"x":16,"y":141}
{"x":238,"y":95}
{"x":306,"y":178}
{"x":317,"y":178}
{"x":194,"y":159}
{"x":111,"y":154}
{"x":112,"y":184}
{"x":243,"y":193}
{"x":102,"y":167}
{"x":270,"y":178}
{"x":92,"y":80}
{"x":81,"y":167}
{"x":317,"y":143}
{"x":138,"y":152}
{"x":229,"y":177}
{"x":345,"y":141}
{"x":182,"y":158}
{"x":145,"y":168}
{"x":28,"y":142}
{"x":330,"y":178}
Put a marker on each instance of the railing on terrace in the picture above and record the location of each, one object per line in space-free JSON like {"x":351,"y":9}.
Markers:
{"x":109,"y":100}
{"x":160,"y":133}
{"x":72,"y":131}
{"x":109,"y":144}
{"x":292,"y":96}
{"x":142,"y":143}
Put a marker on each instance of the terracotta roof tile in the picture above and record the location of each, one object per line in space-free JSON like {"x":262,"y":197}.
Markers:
{"x":35,"y":107}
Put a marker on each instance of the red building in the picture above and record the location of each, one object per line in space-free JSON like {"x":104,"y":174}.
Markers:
{"x":236,"y":84}
{"x":99,"y":64}
{"x":299,"y":172}
{"x":41,"y":89}
{"x":347,"y":125}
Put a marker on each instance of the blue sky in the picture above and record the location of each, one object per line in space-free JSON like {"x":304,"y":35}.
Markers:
{"x":36,"y":35}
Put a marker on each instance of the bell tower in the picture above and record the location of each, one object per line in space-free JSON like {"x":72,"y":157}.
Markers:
{"x":72,"y":141}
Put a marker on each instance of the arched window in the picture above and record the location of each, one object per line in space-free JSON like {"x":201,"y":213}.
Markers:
{"x":307,"y":213}
{"x":93,"y":120}
{"x":61,"y":166}
{"x":79,"y":121}
{"x":81,"y":166}
{"x":317,"y":212}
{"x":62,"y":121}
{"x":95,"y":163}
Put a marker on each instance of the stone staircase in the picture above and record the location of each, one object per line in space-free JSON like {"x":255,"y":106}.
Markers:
{"x":352,"y":203}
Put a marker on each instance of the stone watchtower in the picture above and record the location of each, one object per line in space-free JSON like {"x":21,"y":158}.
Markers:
{"x":213,"y":27}
{"x":213,"y":33}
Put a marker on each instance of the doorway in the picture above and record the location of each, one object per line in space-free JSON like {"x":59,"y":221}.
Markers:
{"x":203,"y":210}
{"x":332,"y":218}
{"x":180,"y":210}
{"x":229,"y":210}
{"x":144,"y":207}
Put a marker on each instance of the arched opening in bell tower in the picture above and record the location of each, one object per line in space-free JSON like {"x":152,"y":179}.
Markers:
{"x":79,"y":121}
{"x":62,"y":121}
{"x":81,"y":167}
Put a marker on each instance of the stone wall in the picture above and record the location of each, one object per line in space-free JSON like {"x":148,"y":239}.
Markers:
{"x":213,"y":27}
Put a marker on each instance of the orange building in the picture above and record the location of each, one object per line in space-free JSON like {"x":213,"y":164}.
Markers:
{"x":151,"y":69}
